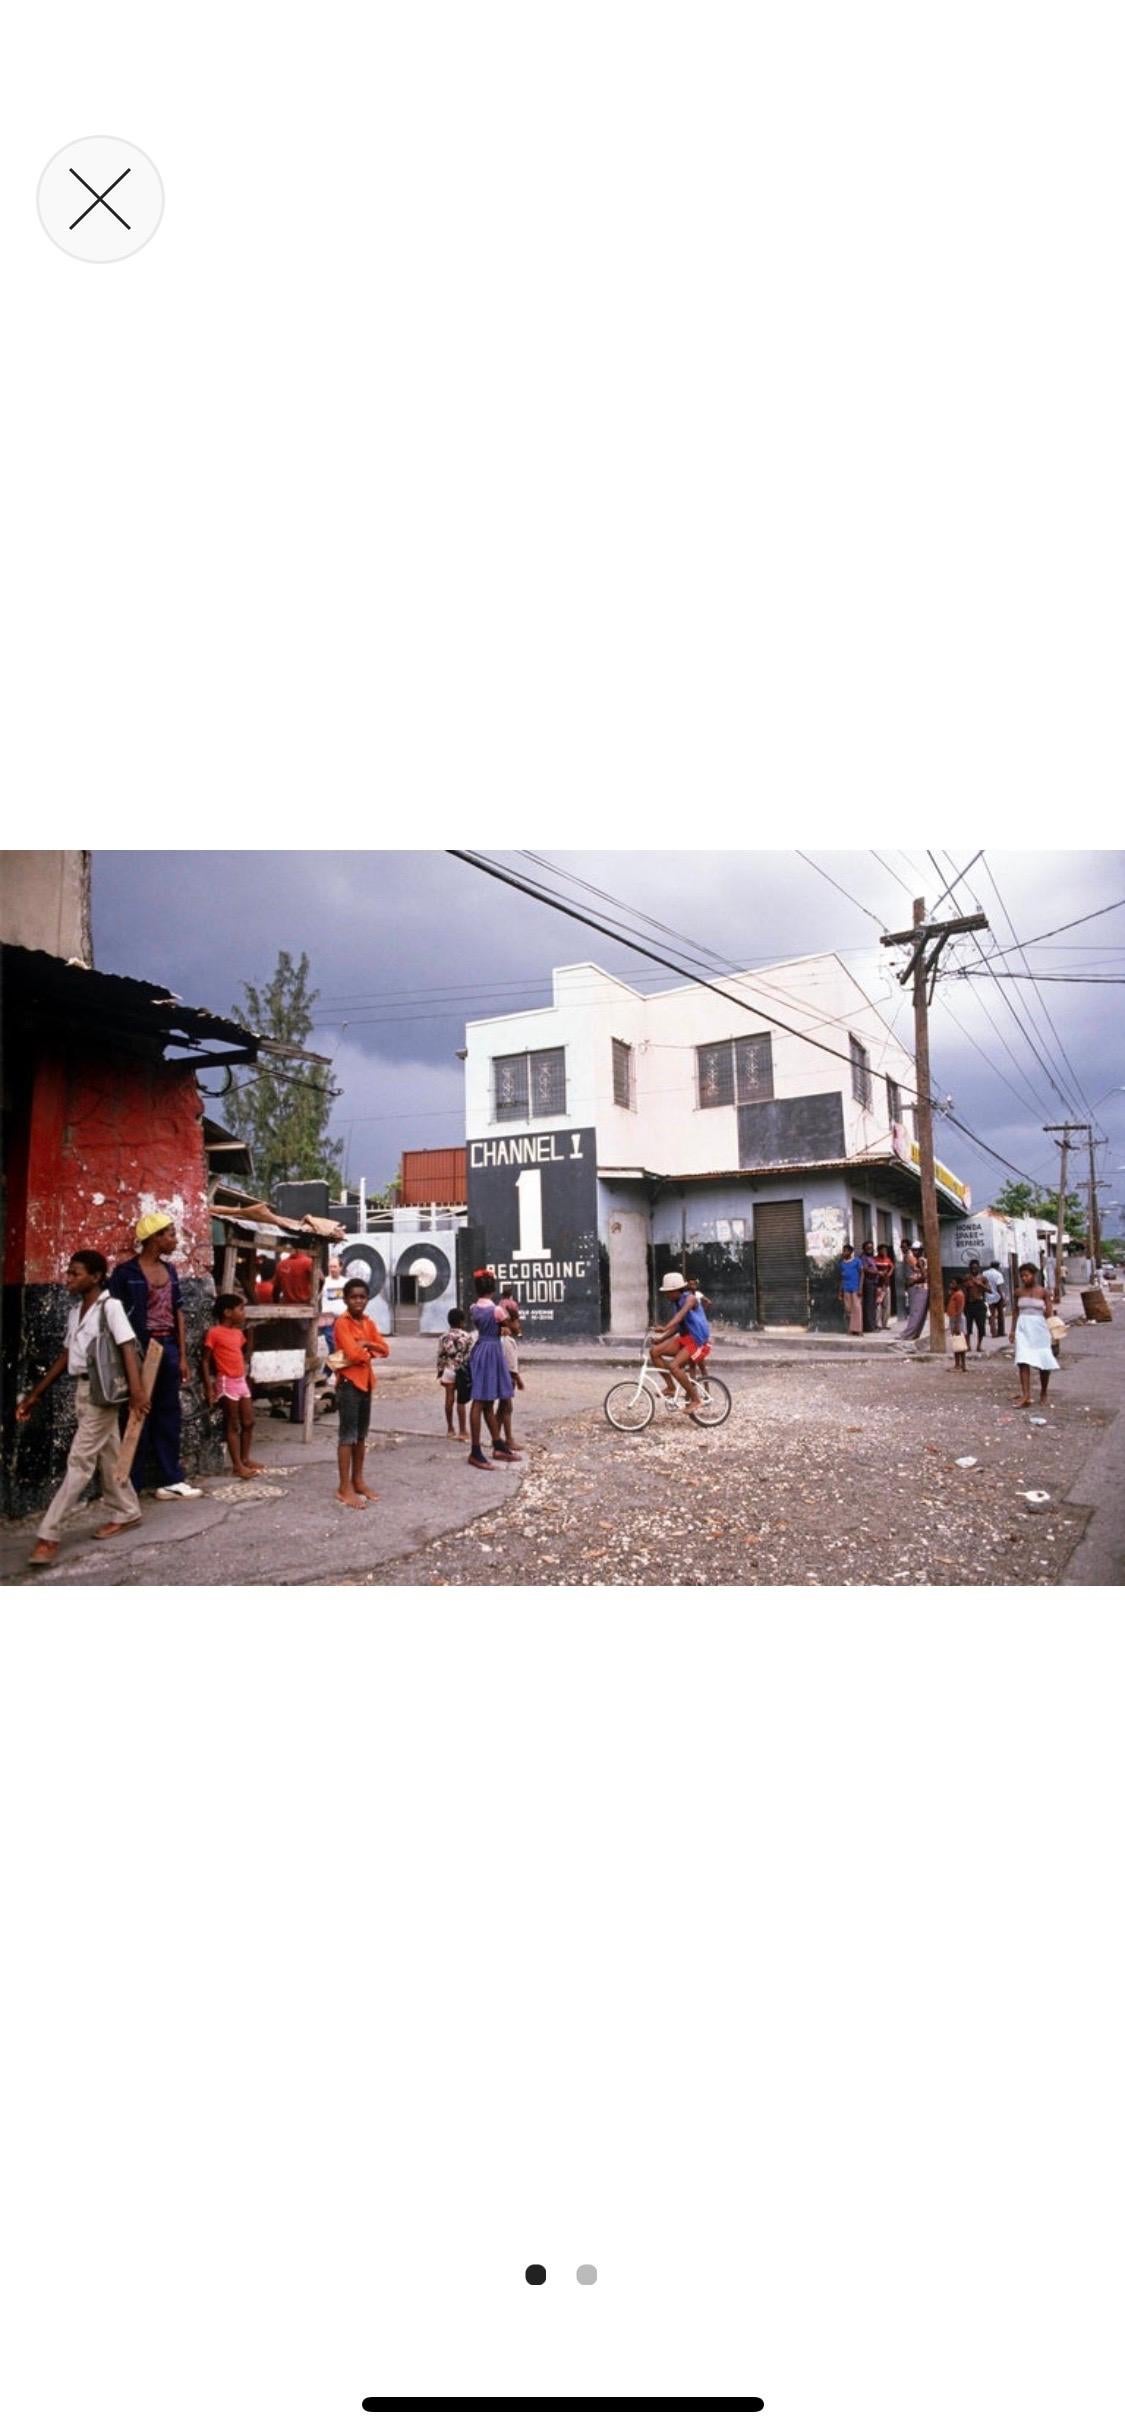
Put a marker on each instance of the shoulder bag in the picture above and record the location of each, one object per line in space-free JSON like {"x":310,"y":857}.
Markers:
{"x":105,"y":1370}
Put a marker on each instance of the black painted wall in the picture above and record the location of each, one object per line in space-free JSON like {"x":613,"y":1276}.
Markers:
{"x":562,"y":1296}
{"x":783,"y":1132}
{"x":726,"y":1274}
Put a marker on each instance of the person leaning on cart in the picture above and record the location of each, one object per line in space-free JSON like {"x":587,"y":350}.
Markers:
{"x":96,"y":1443}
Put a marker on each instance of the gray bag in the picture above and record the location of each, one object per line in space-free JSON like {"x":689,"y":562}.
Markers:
{"x":105,"y":1370}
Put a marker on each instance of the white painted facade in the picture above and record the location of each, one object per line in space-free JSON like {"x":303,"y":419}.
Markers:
{"x":665,"y":1131}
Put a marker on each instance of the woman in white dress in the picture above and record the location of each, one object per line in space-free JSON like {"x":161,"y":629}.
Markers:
{"x":1029,"y":1333}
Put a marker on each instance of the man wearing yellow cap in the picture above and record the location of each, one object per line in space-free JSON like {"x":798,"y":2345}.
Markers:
{"x":149,"y":1288}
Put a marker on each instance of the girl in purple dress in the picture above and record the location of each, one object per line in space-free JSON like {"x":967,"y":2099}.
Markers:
{"x":491,"y":1377}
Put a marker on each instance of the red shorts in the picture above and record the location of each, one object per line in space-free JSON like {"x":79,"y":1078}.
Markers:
{"x":695,"y":1351}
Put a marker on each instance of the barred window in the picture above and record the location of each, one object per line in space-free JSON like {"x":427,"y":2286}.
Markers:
{"x":530,"y":1085}
{"x":753,"y":1068}
{"x":861,"y":1071}
{"x":733,"y":1072}
{"x":509,"y":1090}
{"x":622,"y":1074}
{"x":894,"y":1101}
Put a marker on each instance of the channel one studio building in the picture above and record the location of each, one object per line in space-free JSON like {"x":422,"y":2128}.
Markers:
{"x":615,"y":1134}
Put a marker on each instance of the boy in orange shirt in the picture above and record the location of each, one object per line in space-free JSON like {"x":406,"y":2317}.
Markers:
{"x":359,"y":1340}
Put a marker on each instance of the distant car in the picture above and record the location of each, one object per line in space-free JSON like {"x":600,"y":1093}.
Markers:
{"x":1109,"y":1268}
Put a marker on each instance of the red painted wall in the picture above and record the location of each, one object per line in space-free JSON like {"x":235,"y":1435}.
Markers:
{"x":104,"y":1143}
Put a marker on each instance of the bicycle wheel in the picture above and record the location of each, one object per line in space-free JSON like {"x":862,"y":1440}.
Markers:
{"x":628,"y":1406}
{"x":714,"y":1411}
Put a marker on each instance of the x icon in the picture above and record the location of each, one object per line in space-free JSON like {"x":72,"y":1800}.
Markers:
{"x":99,"y":198}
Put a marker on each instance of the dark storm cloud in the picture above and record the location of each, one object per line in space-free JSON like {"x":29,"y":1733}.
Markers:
{"x":405,"y":947}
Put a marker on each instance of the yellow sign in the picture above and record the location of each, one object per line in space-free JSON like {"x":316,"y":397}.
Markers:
{"x":910,"y":1153}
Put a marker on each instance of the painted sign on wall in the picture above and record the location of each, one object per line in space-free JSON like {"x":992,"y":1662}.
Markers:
{"x":535,"y":1198}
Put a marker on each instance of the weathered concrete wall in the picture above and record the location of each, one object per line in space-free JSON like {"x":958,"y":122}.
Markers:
{"x":100,"y":1145}
{"x":34,"y":1457}
{"x":45,"y":903}
{"x":103,"y":1144}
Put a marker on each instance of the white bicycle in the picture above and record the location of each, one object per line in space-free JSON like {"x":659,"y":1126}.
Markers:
{"x":631,"y":1403}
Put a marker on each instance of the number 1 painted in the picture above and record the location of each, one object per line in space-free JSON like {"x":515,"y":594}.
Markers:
{"x":529,"y":1194}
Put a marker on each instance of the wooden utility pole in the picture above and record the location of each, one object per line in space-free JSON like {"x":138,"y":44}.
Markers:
{"x":927,"y":940}
{"x":1064,"y":1133}
{"x":1095,"y":1247}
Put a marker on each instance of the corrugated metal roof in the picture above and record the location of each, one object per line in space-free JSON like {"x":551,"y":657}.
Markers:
{"x":45,"y":993}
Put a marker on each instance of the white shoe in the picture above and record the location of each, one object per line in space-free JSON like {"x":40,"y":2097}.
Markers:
{"x":179,"y":1488}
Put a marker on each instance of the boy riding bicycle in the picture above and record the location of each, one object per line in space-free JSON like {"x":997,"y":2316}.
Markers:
{"x":683,"y":1343}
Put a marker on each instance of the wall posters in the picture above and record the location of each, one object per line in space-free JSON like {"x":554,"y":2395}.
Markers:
{"x":535,"y":1198}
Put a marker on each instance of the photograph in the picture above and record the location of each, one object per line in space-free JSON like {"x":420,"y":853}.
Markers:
{"x":530,"y":1219}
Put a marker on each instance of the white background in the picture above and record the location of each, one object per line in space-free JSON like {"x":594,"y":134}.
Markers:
{"x":630,"y":426}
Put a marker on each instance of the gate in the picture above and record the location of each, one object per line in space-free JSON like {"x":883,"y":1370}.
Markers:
{"x":783,"y":1284}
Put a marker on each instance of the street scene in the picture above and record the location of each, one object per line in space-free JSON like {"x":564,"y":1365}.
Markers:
{"x":680,"y":1282}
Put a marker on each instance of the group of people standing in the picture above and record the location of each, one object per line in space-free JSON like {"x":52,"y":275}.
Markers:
{"x":867,"y":1287}
{"x":137,"y":1305}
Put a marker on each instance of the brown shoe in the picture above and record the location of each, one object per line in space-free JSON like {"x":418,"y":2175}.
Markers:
{"x":44,"y":1552}
{"x":110,"y":1530}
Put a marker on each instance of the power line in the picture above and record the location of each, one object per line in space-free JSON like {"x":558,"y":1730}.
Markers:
{"x":844,"y":892}
{"x":1038,"y":992}
{"x":1056,"y":1088}
{"x":1060,"y":927}
{"x":948,"y":892}
{"x":999,"y":1156}
{"x":512,"y":879}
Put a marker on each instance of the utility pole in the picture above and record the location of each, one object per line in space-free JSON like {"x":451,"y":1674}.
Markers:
{"x":1064,"y":1133}
{"x":927,"y":939}
{"x":1095,"y":1232}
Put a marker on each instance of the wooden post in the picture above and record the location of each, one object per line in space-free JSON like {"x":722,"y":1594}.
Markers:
{"x":134,"y":1425}
{"x":1094,"y":1246}
{"x":931,"y":1228}
{"x":1064,"y":1146}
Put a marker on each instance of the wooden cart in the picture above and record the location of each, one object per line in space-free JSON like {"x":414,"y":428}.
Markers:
{"x":249,"y":1227}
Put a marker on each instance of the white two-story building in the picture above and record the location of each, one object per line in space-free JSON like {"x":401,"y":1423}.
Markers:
{"x":614,"y":1134}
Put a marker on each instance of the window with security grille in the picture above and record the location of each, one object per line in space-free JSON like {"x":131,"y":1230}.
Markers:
{"x":753,"y":1068}
{"x":861,"y":1071}
{"x":509,"y":1090}
{"x":894,"y":1101}
{"x":548,"y":1082}
{"x":622,"y":1074}
{"x":734,"y":1072}
{"x":530,"y":1085}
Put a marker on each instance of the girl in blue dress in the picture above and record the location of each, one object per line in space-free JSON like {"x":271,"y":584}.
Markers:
{"x":490,"y":1375}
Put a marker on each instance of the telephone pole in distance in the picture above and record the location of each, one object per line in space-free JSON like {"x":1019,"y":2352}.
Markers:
{"x":926,"y":941}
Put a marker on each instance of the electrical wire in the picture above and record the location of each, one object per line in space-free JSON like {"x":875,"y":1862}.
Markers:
{"x":1052,"y":1079}
{"x":1061,"y":926}
{"x":512,"y":879}
{"x":1082,"y":1099}
{"x":837,"y":884}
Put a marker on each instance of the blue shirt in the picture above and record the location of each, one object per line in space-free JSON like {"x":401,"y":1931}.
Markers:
{"x":693,"y":1321}
{"x":851,"y":1272}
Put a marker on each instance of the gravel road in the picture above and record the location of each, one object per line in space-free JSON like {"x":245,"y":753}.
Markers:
{"x":818,"y":1477}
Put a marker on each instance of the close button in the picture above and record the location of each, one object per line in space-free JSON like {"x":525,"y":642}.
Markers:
{"x":100,"y":199}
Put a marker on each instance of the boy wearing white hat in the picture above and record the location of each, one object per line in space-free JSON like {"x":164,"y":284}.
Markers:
{"x":678,"y":1348}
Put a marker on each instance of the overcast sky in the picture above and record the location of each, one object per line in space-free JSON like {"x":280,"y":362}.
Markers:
{"x":404,"y":947}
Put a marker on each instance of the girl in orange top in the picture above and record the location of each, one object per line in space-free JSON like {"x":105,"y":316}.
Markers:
{"x":359,"y":1340}
{"x":225,"y":1355}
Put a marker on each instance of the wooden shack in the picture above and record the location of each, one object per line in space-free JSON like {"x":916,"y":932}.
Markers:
{"x":244,"y":1229}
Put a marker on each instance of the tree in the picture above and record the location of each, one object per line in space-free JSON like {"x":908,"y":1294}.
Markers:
{"x":281,"y":1109}
{"x":1022,"y":1201}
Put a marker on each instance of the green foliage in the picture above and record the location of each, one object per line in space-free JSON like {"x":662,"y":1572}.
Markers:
{"x":1022,"y":1201}
{"x":282,"y":1107}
